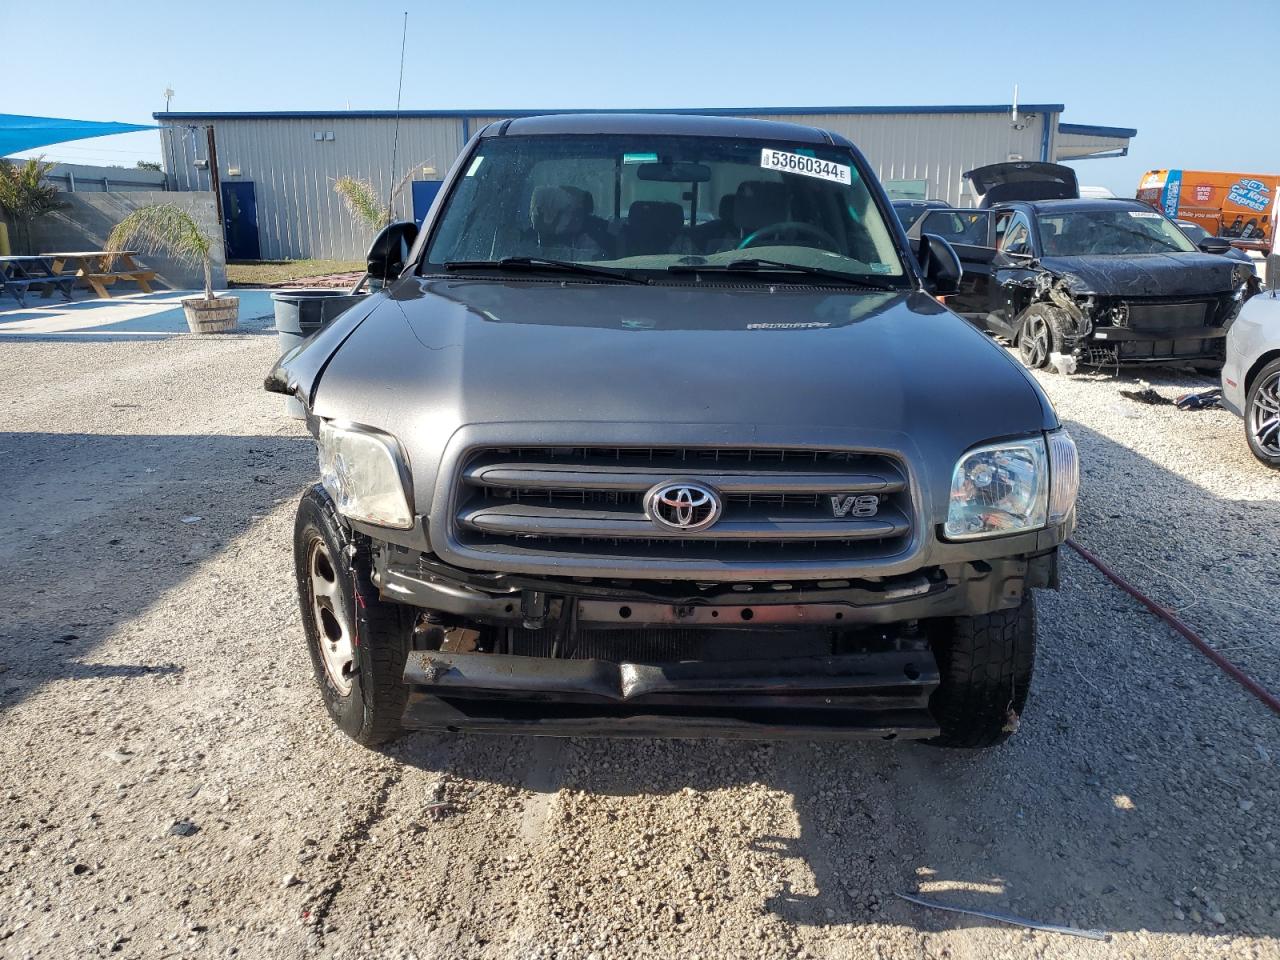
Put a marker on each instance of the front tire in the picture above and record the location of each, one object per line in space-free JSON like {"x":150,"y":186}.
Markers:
{"x":358,"y":641}
{"x":1262,"y":415}
{"x":1040,"y":335}
{"x":986,"y":664}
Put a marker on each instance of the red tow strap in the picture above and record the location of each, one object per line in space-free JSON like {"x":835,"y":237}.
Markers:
{"x":1169,"y":617}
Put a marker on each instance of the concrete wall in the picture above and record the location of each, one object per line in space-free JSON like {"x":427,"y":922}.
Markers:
{"x":83,"y":178}
{"x":89,"y":217}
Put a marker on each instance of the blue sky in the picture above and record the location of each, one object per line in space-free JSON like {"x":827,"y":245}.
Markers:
{"x":1191,"y":77}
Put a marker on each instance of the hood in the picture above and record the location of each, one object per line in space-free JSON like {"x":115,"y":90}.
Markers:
{"x":1023,"y":180}
{"x":610,"y":363}
{"x":1148,"y":275}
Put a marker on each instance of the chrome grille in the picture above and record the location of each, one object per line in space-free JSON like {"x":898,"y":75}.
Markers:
{"x":550,"y":502}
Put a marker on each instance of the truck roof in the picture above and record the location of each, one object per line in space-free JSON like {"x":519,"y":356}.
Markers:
{"x":659,"y":124}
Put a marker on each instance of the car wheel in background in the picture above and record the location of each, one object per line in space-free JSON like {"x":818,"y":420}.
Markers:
{"x":358,"y":641}
{"x":1040,"y":335}
{"x":986,"y":664}
{"x":1262,"y":415}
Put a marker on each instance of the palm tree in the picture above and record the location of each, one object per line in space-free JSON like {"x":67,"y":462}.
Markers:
{"x":166,"y":228}
{"x":25,"y":194}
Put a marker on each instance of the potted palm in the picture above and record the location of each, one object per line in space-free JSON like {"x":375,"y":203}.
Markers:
{"x":167,"y":228}
{"x":26,"y":196}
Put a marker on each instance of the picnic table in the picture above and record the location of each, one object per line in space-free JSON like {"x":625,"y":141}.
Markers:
{"x":99,"y":269}
{"x":19,"y":274}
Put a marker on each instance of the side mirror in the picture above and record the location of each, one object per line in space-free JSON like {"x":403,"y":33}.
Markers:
{"x":389,"y":250}
{"x":1218,"y":245}
{"x":939,"y":264}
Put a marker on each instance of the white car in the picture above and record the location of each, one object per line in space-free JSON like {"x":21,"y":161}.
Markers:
{"x":1251,"y":374}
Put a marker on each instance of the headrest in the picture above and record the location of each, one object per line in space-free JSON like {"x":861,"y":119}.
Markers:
{"x":585,"y":197}
{"x":557,"y":211}
{"x":656,"y":216}
{"x":759,"y":203}
{"x":726,"y":207}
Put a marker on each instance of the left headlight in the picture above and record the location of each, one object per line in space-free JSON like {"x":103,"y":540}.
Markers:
{"x":361,"y":470}
{"x":998,"y":489}
{"x":1011,"y":487}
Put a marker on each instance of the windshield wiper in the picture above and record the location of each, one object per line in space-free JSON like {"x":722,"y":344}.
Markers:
{"x":542,"y":263}
{"x":758,"y":265}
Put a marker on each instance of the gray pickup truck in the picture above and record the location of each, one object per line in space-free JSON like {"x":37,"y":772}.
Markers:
{"x":657,"y":428}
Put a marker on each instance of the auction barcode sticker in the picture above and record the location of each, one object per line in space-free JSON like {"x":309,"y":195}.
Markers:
{"x":805,"y":166}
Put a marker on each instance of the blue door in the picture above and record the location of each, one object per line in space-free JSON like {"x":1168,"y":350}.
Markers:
{"x":240,"y":220}
{"x":424,"y":192}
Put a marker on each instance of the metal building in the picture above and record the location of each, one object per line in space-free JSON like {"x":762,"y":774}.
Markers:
{"x":276,"y":170}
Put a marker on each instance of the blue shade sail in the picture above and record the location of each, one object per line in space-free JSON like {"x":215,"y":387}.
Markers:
{"x":18,"y":133}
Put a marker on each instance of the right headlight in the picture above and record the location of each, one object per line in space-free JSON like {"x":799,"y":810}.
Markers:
{"x":1012,"y":487}
{"x":360,"y":469}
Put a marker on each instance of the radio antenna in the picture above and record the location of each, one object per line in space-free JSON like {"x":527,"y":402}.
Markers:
{"x":395,"y":142}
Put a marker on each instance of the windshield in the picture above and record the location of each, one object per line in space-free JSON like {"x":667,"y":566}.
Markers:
{"x":1120,"y":232}
{"x":1195,"y":233}
{"x":644,"y":203}
{"x":909,"y":212}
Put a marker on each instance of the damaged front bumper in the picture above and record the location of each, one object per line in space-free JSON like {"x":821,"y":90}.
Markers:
{"x":846,"y":659}
{"x":851,"y":696}
{"x":946,"y":590}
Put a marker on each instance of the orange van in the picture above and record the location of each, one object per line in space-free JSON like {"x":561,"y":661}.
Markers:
{"x":1238,"y":206}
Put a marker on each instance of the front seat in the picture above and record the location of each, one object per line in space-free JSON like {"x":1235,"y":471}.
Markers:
{"x":720,"y":234}
{"x":653,"y":226}
{"x":560,"y":222}
{"x":597,"y":228}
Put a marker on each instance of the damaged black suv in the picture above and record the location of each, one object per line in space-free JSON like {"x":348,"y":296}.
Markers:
{"x":1090,"y":281}
{"x":657,"y":428}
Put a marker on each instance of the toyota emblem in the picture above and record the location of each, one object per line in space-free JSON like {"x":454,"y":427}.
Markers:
{"x":682,"y":505}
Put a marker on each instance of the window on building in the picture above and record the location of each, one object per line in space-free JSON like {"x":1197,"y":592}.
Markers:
{"x":907,"y":189}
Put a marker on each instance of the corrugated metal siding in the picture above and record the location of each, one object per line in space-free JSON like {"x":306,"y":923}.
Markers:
{"x":937,"y":147}
{"x":293,"y":174}
{"x":300,"y":216}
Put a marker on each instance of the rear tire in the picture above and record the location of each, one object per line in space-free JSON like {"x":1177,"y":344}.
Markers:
{"x":358,"y":641}
{"x":1262,"y":415}
{"x":986,"y":664}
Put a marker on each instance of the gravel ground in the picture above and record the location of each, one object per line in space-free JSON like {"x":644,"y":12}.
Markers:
{"x":171,"y":786}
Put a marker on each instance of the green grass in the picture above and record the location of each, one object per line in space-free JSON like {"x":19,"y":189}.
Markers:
{"x":255,"y":273}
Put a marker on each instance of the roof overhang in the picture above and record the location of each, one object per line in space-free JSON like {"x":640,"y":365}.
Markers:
{"x":1084,"y":141}
{"x":705,"y":111}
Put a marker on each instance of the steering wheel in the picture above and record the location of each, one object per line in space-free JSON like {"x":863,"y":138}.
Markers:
{"x":792,"y":228}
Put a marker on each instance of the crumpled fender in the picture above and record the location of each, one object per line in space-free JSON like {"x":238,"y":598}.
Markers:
{"x":1062,"y":290}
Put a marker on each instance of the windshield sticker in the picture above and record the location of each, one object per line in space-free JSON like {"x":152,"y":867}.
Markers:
{"x":1144,"y":215}
{"x":639,"y":158}
{"x":805,"y":166}
{"x":475,"y":165}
